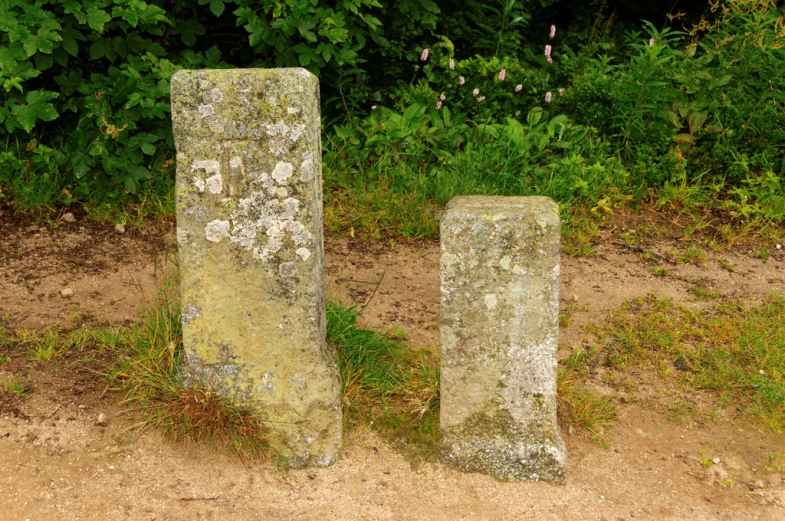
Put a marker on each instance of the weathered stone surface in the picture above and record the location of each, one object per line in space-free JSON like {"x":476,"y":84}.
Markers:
{"x":499,"y":326}
{"x":249,"y":232}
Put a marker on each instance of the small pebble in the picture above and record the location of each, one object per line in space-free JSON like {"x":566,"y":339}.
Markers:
{"x":119,"y":228}
{"x":716,"y":461}
{"x":101,"y":421}
{"x":32,"y":228}
{"x":69,"y":218}
{"x":67,"y":293}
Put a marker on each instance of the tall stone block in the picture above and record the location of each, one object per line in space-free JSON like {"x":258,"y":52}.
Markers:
{"x":499,"y":326}
{"x":251,"y":255}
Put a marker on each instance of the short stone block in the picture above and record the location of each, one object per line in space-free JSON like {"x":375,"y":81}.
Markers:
{"x":251,"y":255}
{"x":499,"y":327}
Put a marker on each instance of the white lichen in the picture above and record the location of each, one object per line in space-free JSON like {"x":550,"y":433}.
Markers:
{"x":206,"y":110}
{"x":303,"y":253}
{"x":282,"y":172}
{"x":287,"y":269}
{"x":306,"y":168}
{"x":258,"y":216}
{"x":191,"y":312}
{"x":282,"y":136}
{"x":216,"y":124}
{"x":293,"y":132}
{"x":208,"y":165}
{"x":182,"y":236}
{"x":215,"y":184}
{"x":199,"y":183}
{"x":491,"y":301}
{"x":216,"y":230}
{"x":216,"y":95}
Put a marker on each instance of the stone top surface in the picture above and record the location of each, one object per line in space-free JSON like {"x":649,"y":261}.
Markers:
{"x":502,"y":206}
{"x":240,"y":104}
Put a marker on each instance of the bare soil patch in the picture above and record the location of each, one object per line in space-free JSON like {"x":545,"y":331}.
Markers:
{"x":58,"y":463}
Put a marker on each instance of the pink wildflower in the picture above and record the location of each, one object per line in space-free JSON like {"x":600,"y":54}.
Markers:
{"x":518,"y":88}
{"x":424,"y":55}
{"x":441,"y":97}
{"x":438,"y":105}
{"x":553,"y":31}
{"x":461,"y":80}
{"x":501,"y":75}
{"x":651,"y":42}
{"x":481,"y":98}
{"x":548,"y":53}
{"x":548,"y":97}
{"x":373,"y":107}
{"x":452,"y":64}
{"x":475,"y":92}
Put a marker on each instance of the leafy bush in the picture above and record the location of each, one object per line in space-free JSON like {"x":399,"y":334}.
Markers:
{"x":84,"y":106}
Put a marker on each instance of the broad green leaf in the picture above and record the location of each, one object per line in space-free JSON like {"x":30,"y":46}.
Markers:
{"x":213,"y":55}
{"x":37,"y":107}
{"x":13,"y":83}
{"x":96,"y":18}
{"x":70,"y":45}
{"x":130,"y":16}
{"x":431,"y":6}
{"x":217,"y":7}
{"x":134,"y":99}
{"x":534,"y":116}
{"x":99,"y":48}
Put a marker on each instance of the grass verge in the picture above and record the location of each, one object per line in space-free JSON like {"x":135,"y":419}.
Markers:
{"x":735,"y":350}
{"x":388,"y":384}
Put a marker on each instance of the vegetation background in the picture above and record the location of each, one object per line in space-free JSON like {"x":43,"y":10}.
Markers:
{"x":681,"y":103}
{"x":603,"y":105}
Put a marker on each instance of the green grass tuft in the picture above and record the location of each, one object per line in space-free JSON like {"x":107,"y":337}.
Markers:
{"x":579,"y":406}
{"x":388,"y":383}
{"x":146,"y":370}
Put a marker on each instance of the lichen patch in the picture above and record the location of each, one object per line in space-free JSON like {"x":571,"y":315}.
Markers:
{"x":216,"y":230}
{"x":216,"y":124}
{"x":208,"y":165}
{"x":282,"y":172}
{"x":215,"y":184}
{"x":306,"y":168}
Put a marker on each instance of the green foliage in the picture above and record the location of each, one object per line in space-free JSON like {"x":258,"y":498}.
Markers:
{"x":96,"y":71}
{"x":84,"y":103}
{"x":426,"y":155}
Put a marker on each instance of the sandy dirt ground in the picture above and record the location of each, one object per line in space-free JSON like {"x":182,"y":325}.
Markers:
{"x":57,"y":463}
